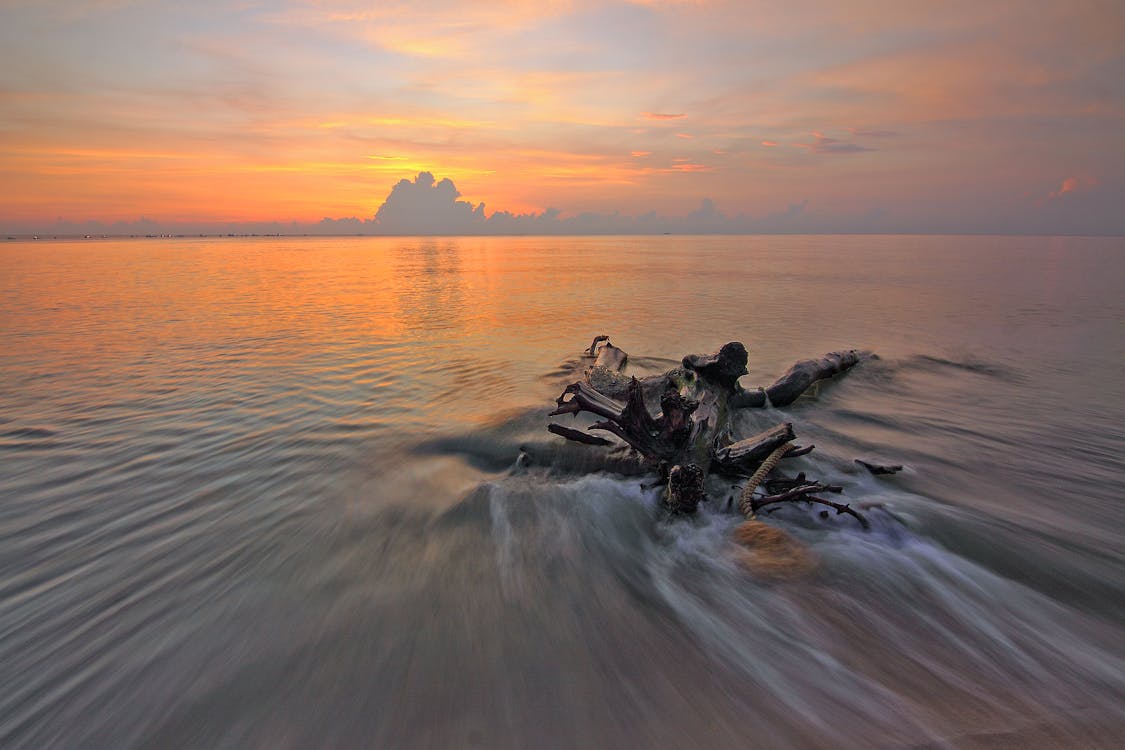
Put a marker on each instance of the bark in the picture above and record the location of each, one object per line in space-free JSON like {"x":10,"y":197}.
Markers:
{"x":592,"y":349}
{"x":611,"y":358}
{"x":606,"y":355}
{"x":685,"y":489}
{"x":723,"y":368}
{"x":577,"y":435}
{"x":745,"y":455}
{"x":789,"y":387}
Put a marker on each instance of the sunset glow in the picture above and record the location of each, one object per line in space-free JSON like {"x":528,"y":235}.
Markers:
{"x":875,"y":116}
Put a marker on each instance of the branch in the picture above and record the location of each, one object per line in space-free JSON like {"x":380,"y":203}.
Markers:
{"x":743,"y":456}
{"x":797,"y":380}
{"x":803,"y":493}
{"x":585,"y":398}
{"x":577,"y":435}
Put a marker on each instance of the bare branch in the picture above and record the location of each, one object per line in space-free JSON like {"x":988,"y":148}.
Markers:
{"x":804,"y":493}
{"x":577,"y":435}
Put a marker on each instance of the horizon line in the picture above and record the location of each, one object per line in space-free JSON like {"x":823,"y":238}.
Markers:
{"x":49,"y":236}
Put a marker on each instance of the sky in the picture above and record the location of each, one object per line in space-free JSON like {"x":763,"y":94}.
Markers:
{"x":1004,"y":116}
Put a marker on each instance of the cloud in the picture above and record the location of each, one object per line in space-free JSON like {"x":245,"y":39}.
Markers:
{"x":1069,"y":185}
{"x":859,"y":133}
{"x":426,"y":207}
{"x":241,"y":110}
{"x":825,"y":145}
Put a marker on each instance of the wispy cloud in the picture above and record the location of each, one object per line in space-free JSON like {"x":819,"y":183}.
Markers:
{"x":1069,"y":185}
{"x":825,"y":145}
{"x":243,"y":108}
{"x":861,"y":133}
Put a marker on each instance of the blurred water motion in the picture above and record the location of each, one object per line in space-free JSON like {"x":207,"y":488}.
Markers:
{"x":256,"y":493}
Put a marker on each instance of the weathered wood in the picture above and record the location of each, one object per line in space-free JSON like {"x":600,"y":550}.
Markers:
{"x":611,"y":358}
{"x":879,"y":468}
{"x":577,"y":435}
{"x":724,"y":367}
{"x":691,"y":436}
{"x":585,"y":398}
{"x":636,"y":426}
{"x":777,"y":485}
{"x":746,"y":454}
{"x":592,"y":350}
{"x":685,"y":489}
{"x":797,"y":379}
{"x":676,"y":411}
{"x":804,"y":493}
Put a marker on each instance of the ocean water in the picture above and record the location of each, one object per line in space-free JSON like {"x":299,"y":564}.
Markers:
{"x":263,"y":493}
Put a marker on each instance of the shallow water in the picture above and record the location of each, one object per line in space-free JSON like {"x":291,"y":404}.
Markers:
{"x":259,"y":493}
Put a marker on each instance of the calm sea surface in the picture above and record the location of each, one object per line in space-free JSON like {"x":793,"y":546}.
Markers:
{"x":259,"y":493}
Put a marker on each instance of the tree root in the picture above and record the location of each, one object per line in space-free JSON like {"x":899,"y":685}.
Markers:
{"x":691,"y":436}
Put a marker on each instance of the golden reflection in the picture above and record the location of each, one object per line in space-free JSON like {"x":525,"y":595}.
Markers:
{"x":175,"y":298}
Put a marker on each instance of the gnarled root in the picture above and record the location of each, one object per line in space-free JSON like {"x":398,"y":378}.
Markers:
{"x":685,"y":489}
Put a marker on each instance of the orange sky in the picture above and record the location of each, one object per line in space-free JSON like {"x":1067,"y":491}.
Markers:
{"x":997,"y":116}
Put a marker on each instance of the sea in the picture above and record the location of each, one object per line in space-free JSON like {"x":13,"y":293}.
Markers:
{"x":268,"y":493}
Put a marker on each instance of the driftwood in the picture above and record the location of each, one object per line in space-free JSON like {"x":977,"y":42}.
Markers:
{"x":692,"y":436}
{"x":879,"y":468}
{"x":748,"y":453}
{"x":804,"y":493}
{"x":606,"y":355}
{"x":797,"y":380}
{"x":577,"y":435}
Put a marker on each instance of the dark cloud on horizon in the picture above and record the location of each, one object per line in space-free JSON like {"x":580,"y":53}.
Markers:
{"x":426,"y":206}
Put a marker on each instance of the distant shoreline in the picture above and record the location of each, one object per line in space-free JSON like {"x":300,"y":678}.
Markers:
{"x":48,"y":237}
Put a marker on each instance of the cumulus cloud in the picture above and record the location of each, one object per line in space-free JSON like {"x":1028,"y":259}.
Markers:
{"x":423,"y":206}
